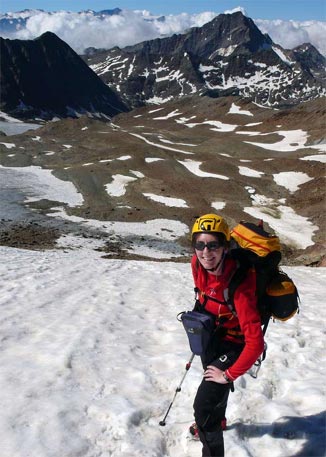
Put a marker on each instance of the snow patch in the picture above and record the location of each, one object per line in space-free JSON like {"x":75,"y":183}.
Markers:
{"x":194,"y":167}
{"x":291,"y":180}
{"x":235,"y":109}
{"x":168,"y":201}
{"x":118,"y":186}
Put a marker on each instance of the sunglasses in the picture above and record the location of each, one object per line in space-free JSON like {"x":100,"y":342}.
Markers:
{"x":211,"y":245}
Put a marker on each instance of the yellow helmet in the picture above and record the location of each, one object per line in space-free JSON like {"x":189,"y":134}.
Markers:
{"x":211,"y":223}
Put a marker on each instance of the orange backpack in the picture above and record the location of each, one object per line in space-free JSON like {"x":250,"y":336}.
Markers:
{"x":251,"y":246}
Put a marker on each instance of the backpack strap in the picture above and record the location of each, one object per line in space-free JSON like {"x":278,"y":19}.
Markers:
{"x":198,"y":305}
{"x":236,"y":279}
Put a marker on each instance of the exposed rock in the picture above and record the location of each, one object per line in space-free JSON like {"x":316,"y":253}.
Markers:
{"x":152,"y":149}
{"x":45,"y":78}
{"x":227,"y":56}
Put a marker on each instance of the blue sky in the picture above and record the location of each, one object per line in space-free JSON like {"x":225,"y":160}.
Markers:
{"x":299,"y":10}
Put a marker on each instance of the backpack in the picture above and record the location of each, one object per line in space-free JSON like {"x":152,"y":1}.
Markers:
{"x":277,"y":295}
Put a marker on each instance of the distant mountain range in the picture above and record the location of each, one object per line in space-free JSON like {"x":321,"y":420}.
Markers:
{"x":13,"y":21}
{"x":227,"y":56}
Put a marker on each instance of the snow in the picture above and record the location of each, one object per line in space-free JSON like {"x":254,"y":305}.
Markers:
{"x":245,"y":171}
{"x":168,"y":116}
{"x":168,"y":201}
{"x":247,"y":132}
{"x":218,"y":126}
{"x":139,"y":174}
{"x":282,"y":56}
{"x":235,"y":109}
{"x":155,"y":110}
{"x":40,"y":183}
{"x":224,"y":52}
{"x":161,"y":146}
{"x":11,"y":126}
{"x":318,"y":158}
{"x":118,"y":186}
{"x":293,"y":229}
{"x":90,"y":365}
{"x":183,"y":120}
{"x":92,"y":352}
{"x":159,"y":233}
{"x":292,"y":141}
{"x":218,"y":205}
{"x":152,"y":159}
{"x":291,"y":180}
{"x":203,"y":68}
{"x":9,"y":145}
{"x":158,"y":100}
{"x":194,"y":167}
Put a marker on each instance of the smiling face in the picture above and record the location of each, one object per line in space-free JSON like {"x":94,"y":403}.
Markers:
{"x":209,"y":258}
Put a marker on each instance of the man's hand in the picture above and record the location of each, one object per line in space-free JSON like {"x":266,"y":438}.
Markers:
{"x":214,"y":374}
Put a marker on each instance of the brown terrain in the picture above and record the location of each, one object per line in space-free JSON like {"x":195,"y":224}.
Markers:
{"x":100,"y":150}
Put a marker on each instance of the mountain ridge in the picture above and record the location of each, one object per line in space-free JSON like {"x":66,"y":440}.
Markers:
{"x":227,"y":55}
{"x":45,"y":78}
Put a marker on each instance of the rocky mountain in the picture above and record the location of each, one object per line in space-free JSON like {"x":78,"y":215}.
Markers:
{"x":310,"y":59}
{"x":228,"y":55}
{"x":45,"y":78}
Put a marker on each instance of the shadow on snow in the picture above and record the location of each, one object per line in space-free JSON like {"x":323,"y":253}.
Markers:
{"x":308,"y":428}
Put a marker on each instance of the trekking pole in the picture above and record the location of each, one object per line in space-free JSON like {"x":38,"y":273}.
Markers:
{"x":188,"y":365}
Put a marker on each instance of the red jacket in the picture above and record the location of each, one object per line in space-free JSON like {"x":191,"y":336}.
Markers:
{"x":243,"y":328}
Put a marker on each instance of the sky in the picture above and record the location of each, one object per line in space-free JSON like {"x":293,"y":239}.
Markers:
{"x":273,"y":9}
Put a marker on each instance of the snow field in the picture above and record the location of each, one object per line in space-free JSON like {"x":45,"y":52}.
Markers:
{"x":92,"y":353}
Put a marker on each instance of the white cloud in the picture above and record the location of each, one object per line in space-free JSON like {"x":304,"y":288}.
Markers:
{"x":83,"y":30}
{"x":290,"y":34}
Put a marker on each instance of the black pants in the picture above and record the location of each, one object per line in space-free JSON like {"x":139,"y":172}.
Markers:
{"x":211,"y":401}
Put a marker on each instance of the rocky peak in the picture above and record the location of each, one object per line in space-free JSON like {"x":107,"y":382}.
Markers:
{"x":46,"y":78}
{"x":228,"y":55}
{"x":221,"y":36}
{"x":310,"y":58}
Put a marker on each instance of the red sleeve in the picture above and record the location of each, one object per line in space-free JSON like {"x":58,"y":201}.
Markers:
{"x":245,"y":303}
